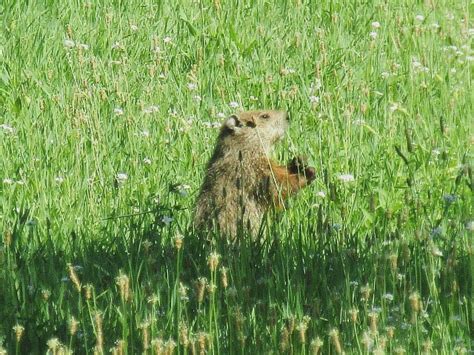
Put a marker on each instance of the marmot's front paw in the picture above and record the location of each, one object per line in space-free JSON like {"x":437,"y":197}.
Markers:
{"x":310,"y":174}
{"x":299,"y":165}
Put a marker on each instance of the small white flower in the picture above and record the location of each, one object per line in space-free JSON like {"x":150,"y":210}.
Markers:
{"x":376,"y":24}
{"x":151,"y":109}
{"x":161,"y":76}
{"x":470,"y":32}
{"x":321,"y":194}
{"x":157,"y":49}
{"x":59,"y":179}
{"x":121,"y":177}
{"x":385,"y":75}
{"x":8,"y":181}
{"x":197,"y":98}
{"x":253,"y":98}
{"x":358,"y":122}
{"x":221,"y":115}
{"x":20,"y":182}
{"x":147,"y":161}
{"x":133,"y":27}
{"x":470,"y":58}
{"x":118,"y":46}
{"x":436,"y":251}
{"x":234,"y":104}
{"x":68,"y":43}
{"x":145,"y":133}
{"x":470,"y":226}
{"x":435,"y":26}
{"x":115,"y":62}
{"x":7,"y":129}
{"x":420,"y":18}
{"x":166,"y":220}
{"x":118,"y":111}
{"x":388,"y":297}
{"x":83,"y":46}
{"x":314,"y":99}
{"x":192,"y":86}
{"x":416,"y":64}
{"x":346,"y":177}
{"x":436,"y":151}
{"x":167,"y":39}
{"x":316,"y":85}
{"x":394,"y":107}
{"x":373,"y":34}
{"x":453,"y":70}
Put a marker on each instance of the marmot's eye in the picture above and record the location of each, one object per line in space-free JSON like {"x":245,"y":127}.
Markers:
{"x":265,"y":116}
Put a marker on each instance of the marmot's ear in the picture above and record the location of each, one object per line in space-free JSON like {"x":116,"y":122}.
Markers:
{"x":233,"y":123}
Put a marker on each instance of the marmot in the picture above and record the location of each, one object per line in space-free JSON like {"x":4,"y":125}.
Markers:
{"x":241,"y":181}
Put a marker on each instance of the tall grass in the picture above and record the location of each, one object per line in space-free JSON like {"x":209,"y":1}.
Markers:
{"x":108,"y":114}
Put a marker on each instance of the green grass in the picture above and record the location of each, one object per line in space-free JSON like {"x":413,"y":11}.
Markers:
{"x":380,"y":264}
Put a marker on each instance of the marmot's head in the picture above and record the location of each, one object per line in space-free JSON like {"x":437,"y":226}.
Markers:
{"x":258,"y":127}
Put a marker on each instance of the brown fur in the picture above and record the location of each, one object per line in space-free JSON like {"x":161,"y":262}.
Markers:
{"x":241,"y":182}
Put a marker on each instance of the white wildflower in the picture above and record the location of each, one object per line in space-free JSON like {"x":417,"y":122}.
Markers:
{"x":385,"y":75}
{"x":346,"y":177}
{"x":118,"y":46}
{"x":118,"y":111}
{"x":197,"y":98}
{"x":59,"y":179}
{"x":167,"y":39}
{"x":376,"y":24}
{"x":314,"y":99}
{"x":388,"y":297}
{"x":373,"y":34}
{"x":145,"y":133}
{"x":121,"y":177}
{"x":166,"y":220}
{"x":147,"y":161}
{"x":321,"y":194}
{"x":133,"y":27}
{"x":420,"y":18}
{"x":68,"y":43}
{"x":8,"y":181}
{"x":358,"y":122}
{"x":470,"y":32}
{"x":470,"y":226}
{"x":221,"y":115}
{"x":151,"y":109}
{"x":192,"y":86}
{"x":83,"y":46}
{"x":7,"y":129}
{"x":234,"y":104}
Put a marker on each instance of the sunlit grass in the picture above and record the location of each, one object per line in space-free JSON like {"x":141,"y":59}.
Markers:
{"x":108,"y":115}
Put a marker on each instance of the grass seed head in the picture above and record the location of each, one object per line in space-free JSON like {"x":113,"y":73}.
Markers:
{"x":19,"y":330}
{"x":315,"y":345}
{"x":201,"y":289}
{"x":123,"y":283}
{"x":354,"y":313}
{"x":74,"y":278}
{"x":224,"y":280}
{"x":213,"y":261}
{"x":73,"y":325}
{"x":158,"y":346}
{"x":284,"y":340}
{"x":336,"y":341}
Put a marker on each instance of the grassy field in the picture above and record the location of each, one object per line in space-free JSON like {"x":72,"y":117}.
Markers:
{"x":108,"y":114}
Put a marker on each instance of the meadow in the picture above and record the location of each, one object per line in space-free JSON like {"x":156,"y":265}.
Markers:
{"x":108,"y":114}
